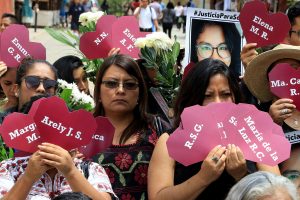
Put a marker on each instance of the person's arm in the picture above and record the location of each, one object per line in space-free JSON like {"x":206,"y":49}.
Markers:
{"x":156,"y":24}
{"x":161,"y":174}
{"x":154,"y":18}
{"x":21,"y":188}
{"x":248,"y":53}
{"x":33,"y":172}
{"x":268,"y":168}
{"x":59,"y":158}
{"x":137,"y":12}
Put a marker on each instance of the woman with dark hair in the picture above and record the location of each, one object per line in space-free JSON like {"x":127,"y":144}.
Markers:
{"x":198,"y":85}
{"x":51,"y":170}
{"x":210,"y":80}
{"x":217,"y":40}
{"x":70,"y":69}
{"x":7,"y":81}
{"x":121,"y":95}
{"x":29,"y":76}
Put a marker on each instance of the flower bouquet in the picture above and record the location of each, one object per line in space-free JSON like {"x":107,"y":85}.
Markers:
{"x":88,"y":22}
{"x":74,"y":99}
{"x":160,"y":54}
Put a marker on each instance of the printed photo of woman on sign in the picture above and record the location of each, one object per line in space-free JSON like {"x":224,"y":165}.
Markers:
{"x":218,"y":40}
{"x":213,"y":34}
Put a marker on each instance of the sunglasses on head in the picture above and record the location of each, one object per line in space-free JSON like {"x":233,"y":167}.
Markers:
{"x":115,"y":84}
{"x":33,"y":82}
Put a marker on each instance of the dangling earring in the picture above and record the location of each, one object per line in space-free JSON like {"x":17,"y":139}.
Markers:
{"x":16,"y":94}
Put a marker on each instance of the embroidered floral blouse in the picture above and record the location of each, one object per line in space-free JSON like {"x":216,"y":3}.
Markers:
{"x":127,"y":166}
{"x":12,"y":169}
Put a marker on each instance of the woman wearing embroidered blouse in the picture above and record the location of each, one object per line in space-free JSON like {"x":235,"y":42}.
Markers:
{"x":208,"y":81}
{"x":51,"y":170}
{"x":121,"y":95}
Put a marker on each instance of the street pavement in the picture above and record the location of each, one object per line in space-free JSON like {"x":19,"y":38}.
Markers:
{"x":55,"y":49}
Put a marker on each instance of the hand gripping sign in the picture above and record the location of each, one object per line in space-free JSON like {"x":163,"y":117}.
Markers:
{"x":251,"y":130}
{"x":15,"y":46}
{"x":285,"y":82}
{"x":261,"y":27}
{"x":49,"y":120}
{"x":111,"y":33}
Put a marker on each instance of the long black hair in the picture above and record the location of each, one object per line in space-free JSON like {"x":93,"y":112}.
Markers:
{"x":194,"y":85}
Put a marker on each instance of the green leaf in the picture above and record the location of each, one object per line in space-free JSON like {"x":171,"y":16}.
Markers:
{"x":66,"y":95}
{"x":71,"y":35}
{"x":60,"y":36}
{"x":175,"y":50}
{"x":11,"y":153}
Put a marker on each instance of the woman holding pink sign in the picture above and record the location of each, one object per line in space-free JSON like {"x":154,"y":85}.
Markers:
{"x":51,"y":170}
{"x":208,"y":81}
{"x":283,"y":109}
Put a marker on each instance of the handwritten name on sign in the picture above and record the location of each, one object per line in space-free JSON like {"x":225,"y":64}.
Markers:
{"x":29,"y":129}
{"x":256,"y":144}
{"x":262,"y":27}
{"x":293,"y":82}
{"x":284,"y":82}
{"x":19,"y":131}
{"x":193,"y":136}
{"x":129,"y":45}
{"x":68,"y":131}
{"x":17,"y":55}
{"x":15,"y":46}
{"x":265,"y":28}
{"x":99,"y":38}
{"x":202,"y":129}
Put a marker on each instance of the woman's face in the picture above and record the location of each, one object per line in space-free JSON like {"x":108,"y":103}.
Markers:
{"x":119,"y":91}
{"x":7,"y":82}
{"x":38,"y":72}
{"x":218,"y":90}
{"x":81,"y":80}
{"x":211,"y":44}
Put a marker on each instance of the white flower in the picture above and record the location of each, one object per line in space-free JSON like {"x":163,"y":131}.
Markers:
{"x":94,"y":16}
{"x":83,"y":18}
{"x":140,"y":42}
{"x":62,"y":84}
{"x":88,"y":17}
{"x":158,"y":40}
{"x":94,"y":9}
{"x":77,"y":98}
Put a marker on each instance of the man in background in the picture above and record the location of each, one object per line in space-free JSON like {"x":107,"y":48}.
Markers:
{"x":157,"y":7}
{"x":147,"y":16}
{"x":6,"y":20}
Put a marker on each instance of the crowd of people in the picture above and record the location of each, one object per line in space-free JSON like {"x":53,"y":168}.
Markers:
{"x":137,"y":164}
